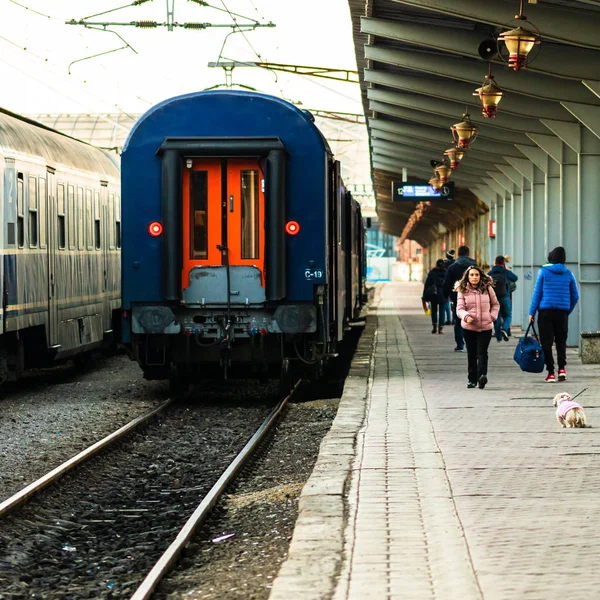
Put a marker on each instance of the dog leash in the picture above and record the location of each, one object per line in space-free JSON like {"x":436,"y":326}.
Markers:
{"x":581,"y":392}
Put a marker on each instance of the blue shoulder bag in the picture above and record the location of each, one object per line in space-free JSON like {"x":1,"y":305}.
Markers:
{"x":528,"y":353}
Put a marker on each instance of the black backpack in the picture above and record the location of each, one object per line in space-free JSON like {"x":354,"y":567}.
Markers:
{"x":500,"y":286}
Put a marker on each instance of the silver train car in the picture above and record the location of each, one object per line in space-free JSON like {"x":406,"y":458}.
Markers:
{"x":60,"y":239}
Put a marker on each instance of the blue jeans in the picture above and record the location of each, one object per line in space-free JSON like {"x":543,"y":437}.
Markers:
{"x":447,"y":312}
{"x":458,"y":332}
{"x":504,"y":316}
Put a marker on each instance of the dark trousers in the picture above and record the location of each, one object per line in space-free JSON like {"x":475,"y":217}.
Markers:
{"x":447,"y":312}
{"x":504,"y":317}
{"x":437,"y":309}
{"x":458,"y":330}
{"x":477,"y":352}
{"x":554,"y":328}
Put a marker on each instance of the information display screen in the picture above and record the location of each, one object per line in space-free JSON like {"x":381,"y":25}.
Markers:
{"x":416,"y":192}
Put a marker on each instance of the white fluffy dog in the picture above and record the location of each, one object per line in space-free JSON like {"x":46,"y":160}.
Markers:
{"x":568,"y":412}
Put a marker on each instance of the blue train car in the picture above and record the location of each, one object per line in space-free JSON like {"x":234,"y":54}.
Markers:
{"x":241,"y":247}
{"x":60,"y":237}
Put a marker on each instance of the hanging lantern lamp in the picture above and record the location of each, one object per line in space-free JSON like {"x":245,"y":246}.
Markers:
{"x":443,"y":171}
{"x":520,"y":41}
{"x":464,"y":133}
{"x":454,"y":156}
{"x":490,"y":95}
{"x":435,"y":183}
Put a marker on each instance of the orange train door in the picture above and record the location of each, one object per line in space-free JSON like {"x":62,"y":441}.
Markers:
{"x":223,"y":205}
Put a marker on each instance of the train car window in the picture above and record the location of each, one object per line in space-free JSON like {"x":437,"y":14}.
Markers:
{"x":111,"y":220}
{"x":60,"y":209}
{"x":97,"y":216}
{"x":42,"y":214}
{"x":89,"y":220}
{"x":33,"y":212}
{"x":80,"y":220}
{"x":199,"y":214}
{"x":72,"y":217}
{"x":20,"y":212}
{"x":250,"y":215}
{"x":118,"y":221}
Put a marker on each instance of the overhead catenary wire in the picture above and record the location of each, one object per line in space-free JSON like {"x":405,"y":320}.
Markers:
{"x":58,"y":90}
{"x":30,"y":9}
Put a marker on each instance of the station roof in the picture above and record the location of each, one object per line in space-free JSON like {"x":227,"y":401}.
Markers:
{"x":419,"y":64}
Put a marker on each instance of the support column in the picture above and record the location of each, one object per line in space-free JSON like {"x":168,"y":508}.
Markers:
{"x":589,"y":238}
{"x":553,"y":208}
{"x":527,"y":280}
{"x":562,"y":201}
{"x":517,"y":257}
{"x":539,"y":196}
{"x":569,"y":189}
{"x":500,"y":239}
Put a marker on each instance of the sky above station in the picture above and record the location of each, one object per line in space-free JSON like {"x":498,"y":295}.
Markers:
{"x":39,"y":50}
{"x":43,"y":72}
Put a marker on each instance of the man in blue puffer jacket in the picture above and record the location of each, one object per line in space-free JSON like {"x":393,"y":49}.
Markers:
{"x":554,"y":297}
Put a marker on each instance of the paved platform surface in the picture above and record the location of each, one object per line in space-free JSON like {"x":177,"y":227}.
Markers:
{"x":425,"y":489}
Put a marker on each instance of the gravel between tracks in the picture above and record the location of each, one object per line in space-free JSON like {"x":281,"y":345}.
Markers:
{"x":99,"y":532}
{"x":50,"y":416}
{"x":261,"y":509}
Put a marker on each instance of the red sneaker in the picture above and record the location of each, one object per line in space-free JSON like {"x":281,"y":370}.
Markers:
{"x":551,"y":378}
{"x":562,"y":375}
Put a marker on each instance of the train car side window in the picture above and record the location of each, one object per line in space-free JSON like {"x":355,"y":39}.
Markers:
{"x":42,"y":214}
{"x":97,"y":220}
{"x":20,"y":212}
{"x":89,"y":220}
{"x":250,"y":214}
{"x":33,"y":212}
{"x":111,"y":220}
{"x":60,"y":210}
{"x":118,"y":221}
{"x":199,"y":214}
{"x":80,"y":220}
{"x":72,"y":217}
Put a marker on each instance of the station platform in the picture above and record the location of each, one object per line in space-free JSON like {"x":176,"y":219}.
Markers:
{"x":425,"y":489}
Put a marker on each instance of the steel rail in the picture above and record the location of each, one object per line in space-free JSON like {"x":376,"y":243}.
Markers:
{"x":171,"y":554}
{"x":37,"y":486}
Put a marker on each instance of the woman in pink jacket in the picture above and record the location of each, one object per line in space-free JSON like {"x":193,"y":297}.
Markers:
{"x":477,"y":307}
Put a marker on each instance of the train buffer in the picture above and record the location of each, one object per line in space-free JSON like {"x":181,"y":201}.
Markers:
{"x":425,"y":489}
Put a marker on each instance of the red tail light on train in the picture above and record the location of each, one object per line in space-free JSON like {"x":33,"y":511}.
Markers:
{"x":155,"y":229}
{"x":292,"y":228}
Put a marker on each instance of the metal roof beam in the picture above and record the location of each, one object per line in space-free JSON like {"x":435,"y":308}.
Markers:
{"x":571,"y":26}
{"x":589,"y":116}
{"x":393,"y":150}
{"x":535,"y":85}
{"x":415,"y":164}
{"x":388,"y":146}
{"x":550,"y":144}
{"x":462,"y":92}
{"x":437,"y":135}
{"x":395,"y":155}
{"x":557,"y":60}
{"x":434,"y":147}
{"x":453,"y":109}
{"x":408,"y":114}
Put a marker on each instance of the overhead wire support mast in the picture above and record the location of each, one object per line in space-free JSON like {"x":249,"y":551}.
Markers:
{"x":170,"y":23}
{"x":156,"y":24}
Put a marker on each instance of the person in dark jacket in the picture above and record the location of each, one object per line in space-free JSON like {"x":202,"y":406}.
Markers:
{"x":502,"y":279}
{"x":432,"y":293}
{"x":450,"y":255}
{"x":554,"y":297}
{"x":454,"y":273}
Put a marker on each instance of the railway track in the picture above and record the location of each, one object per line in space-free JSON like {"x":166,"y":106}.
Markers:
{"x":94,"y":539}
{"x":11,"y":504}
